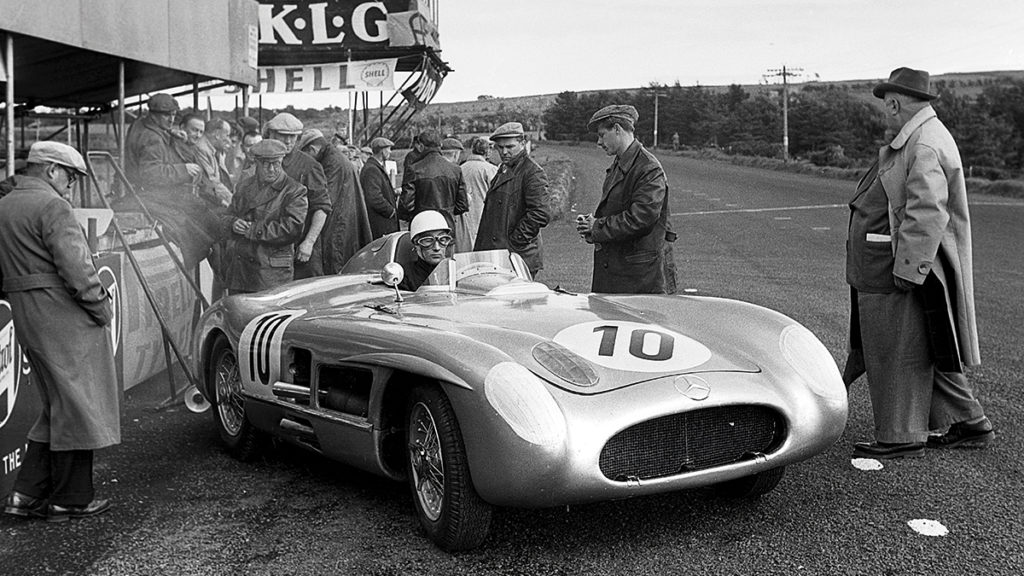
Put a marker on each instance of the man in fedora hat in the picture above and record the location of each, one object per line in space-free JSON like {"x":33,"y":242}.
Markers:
{"x":61,"y":312}
{"x":630,"y":227}
{"x":517,"y":202}
{"x":909,"y":265}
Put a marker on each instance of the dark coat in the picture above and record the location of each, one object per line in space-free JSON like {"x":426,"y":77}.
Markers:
{"x":434,"y":184}
{"x":630,"y":225}
{"x":380,"y":198}
{"x":305,"y":170}
{"x":263,"y":258}
{"x":61,"y":313}
{"x":348,"y":227}
{"x":515,"y":209}
{"x":151,"y":162}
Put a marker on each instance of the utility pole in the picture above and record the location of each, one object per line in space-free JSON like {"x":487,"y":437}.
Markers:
{"x":656,"y":96}
{"x":785,"y":73}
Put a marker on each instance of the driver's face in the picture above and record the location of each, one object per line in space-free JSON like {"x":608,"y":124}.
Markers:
{"x":434,"y":253}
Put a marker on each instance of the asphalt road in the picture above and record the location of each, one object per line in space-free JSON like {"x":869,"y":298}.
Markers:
{"x":776,"y":239}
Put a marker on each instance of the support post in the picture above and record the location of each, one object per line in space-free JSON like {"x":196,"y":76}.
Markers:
{"x":120,"y":113}
{"x":9,"y":67}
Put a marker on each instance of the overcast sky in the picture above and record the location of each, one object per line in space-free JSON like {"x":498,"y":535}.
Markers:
{"x":525,"y":47}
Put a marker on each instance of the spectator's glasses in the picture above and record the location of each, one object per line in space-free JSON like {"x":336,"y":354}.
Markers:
{"x":71,"y":174}
{"x":428,"y":241}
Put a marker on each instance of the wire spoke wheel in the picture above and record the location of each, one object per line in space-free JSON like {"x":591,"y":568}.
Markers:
{"x":427,"y":462}
{"x":229,"y":393}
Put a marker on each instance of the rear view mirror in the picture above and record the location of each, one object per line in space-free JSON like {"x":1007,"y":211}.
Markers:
{"x":392,"y":275}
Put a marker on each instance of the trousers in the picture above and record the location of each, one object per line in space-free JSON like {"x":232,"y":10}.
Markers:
{"x":63,"y":477}
{"x":910,"y":397}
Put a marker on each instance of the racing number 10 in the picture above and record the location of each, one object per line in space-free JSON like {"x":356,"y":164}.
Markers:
{"x":636,"y":343}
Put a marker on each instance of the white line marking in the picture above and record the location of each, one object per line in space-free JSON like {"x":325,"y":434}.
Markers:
{"x":757,"y":210}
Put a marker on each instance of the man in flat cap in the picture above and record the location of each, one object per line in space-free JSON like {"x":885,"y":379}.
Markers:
{"x":286,"y":129}
{"x":348,"y":226}
{"x":909,"y":265}
{"x":630,"y":227}
{"x":166,"y":182}
{"x":477,"y":172}
{"x":263,"y":223}
{"x":378,"y":190}
{"x":452,"y":149}
{"x":517,"y":203}
{"x":433,"y":183}
{"x":61,"y":315}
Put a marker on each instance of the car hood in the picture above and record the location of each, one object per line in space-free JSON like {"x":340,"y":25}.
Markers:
{"x":622,"y":344}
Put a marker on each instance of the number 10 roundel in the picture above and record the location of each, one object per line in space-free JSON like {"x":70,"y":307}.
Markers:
{"x":634,"y":347}
{"x":259,"y":346}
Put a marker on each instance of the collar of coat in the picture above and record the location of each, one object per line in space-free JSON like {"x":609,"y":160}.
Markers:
{"x":31,"y":183}
{"x":511,"y":164}
{"x":923,"y":115}
{"x":475,"y":158}
{"x":628,"y":157}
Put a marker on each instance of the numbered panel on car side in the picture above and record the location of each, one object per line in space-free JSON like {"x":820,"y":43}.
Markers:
{"x":259,"y":347}
{"x":633,"y":346}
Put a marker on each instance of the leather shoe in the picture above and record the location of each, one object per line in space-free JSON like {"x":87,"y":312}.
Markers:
{"x":963,"y":435}
{"x":886,"y":450}
{"x":19,"y":504}
{"x":57,"y":513}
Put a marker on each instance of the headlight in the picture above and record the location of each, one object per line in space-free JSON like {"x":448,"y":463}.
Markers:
{"x":523,"y":400}
{"x":809,"y":357}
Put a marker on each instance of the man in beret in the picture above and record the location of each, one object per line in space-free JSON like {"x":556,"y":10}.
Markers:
{"x":166,"y":182}
{"x":61,"y":314}
{"x":630,"y":227}
{"x":286,"y":128}
{"x":263,"y":223}
{"x":378,"y":190}
{"x":433,"y":183}
{"x":348,"y":226}
{"x":517,"y":203}
{"x":909,"y":265}
{"x":477,"y":172}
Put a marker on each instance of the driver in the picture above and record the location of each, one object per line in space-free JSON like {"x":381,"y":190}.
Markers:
{"x":431,"y":242}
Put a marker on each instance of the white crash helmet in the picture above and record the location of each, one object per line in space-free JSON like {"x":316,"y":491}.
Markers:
{"x":426,"y":221}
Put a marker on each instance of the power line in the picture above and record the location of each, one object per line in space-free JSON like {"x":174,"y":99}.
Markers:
{"x":785,"y":73}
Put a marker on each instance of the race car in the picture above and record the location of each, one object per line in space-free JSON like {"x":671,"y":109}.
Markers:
{"x":485,"y":388}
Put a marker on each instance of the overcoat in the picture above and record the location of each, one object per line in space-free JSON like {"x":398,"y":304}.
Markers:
{"x":61,"y":313}
{"x":348,"y":227}
{"x":150,"y":158}
{"x":263,"y":258}
{"x":380,"y":198}
{"x":477,"y":173}
{"x":517,"y":206}
{"x":433,"y":183}
{"x":923,"y":178}
{"x":630,"y":225}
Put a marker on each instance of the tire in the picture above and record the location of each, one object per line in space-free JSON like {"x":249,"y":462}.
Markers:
{"x":448,"y":507}
{"x":242,"y":440}
{"x":753,"y":486}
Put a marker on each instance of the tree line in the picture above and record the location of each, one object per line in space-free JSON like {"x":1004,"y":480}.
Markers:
{"x":828,"y":124}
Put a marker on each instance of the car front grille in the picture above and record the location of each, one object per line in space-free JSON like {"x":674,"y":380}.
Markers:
{"x":691,"y":441}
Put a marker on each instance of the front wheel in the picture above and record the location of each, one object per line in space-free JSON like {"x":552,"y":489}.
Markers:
{"x":752,"y":486}
{"x":448,"y":507}
{"x":242,"y":440}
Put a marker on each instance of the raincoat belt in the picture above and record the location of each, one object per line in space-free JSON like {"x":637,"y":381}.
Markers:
{"x":32,"y":282}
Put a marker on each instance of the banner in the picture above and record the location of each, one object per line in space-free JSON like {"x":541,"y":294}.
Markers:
{"x":363,"y":76}
{"x":19,"y":402}
{"x":412,"y":29}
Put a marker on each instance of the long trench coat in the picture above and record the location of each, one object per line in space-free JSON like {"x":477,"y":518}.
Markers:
{"x":516,"y":207}
{"x":264,"y":257}
{"x":477,"y":173}
{"x":348,"y":227}
{"x":61,"y":313}
{"x":923,"y":178}
{"x":630,"y":226}
{"x":381,"y":201}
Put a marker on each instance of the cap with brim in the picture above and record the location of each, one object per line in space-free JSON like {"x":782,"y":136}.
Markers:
{"x":162,"y":103}
{"x":285,"y":123}
{"x":451,"y":144}
{"x":622,"y":112}
{"x":248,"y":124}
{"x":366,"y":150}
{"x":269,"y":149}
{"x":430,"y":139}
{"x":309,"y":136}
{"x":57,"y":153}
{"x":380,"y":142}
{"x":907,"y":81}
{"x":508,"y":130}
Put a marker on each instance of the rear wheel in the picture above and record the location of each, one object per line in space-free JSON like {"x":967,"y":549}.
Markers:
{"x":242,"y":440}
{"x":753,"y":486}
{"x":449,"y":509}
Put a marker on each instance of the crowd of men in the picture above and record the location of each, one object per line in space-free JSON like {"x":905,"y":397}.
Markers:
{"x":272,"y":205}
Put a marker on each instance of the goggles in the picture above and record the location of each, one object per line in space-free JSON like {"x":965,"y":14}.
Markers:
{"x":428,"y":241}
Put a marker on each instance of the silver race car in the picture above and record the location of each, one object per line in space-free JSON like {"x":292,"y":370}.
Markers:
{"x":485,"y":389}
